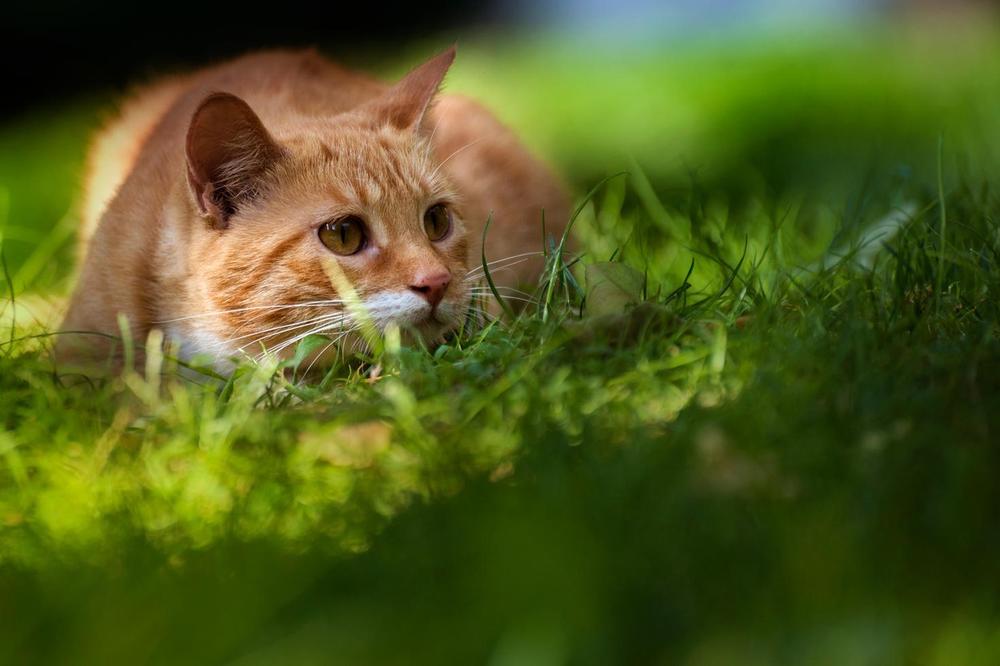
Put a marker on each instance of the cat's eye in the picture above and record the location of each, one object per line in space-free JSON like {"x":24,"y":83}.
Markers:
{"x":437,"y":222}
{"x":344,"y":236}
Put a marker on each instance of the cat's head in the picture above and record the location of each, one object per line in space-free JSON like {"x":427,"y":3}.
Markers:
{"x":304,"y":218}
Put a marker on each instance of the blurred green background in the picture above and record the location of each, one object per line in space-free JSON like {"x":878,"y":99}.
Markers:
{"x":794,"y":461}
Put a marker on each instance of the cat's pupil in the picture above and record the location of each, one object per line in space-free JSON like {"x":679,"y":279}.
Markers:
{"x":345,"y":236}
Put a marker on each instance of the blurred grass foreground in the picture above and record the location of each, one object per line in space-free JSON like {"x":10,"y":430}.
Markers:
{"x":777,"y":444}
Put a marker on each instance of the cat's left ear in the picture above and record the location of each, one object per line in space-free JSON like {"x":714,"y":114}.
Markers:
{"x":406,"y":103}
{"x":228,"y":152}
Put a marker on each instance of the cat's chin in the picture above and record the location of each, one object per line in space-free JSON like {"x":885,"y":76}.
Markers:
{"x":428,"y":329}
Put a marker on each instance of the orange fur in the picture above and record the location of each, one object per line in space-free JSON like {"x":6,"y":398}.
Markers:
{"x":201,"y":214}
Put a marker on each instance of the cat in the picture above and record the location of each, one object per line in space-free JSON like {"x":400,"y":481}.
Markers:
{"x":242,"y":207}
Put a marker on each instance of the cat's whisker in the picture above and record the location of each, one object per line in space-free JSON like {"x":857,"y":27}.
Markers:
{"x":503,"y":259}
{"x":260,"y":337}
{"x":430,"y":139}
{"x":519,"y":298}
{"x":477,"y":273}
{"x":294,"y":324}
{"x":357,"y":345}
{"x":453,"y":154}
{"x":483,"y":289}
{"x":277,"y":349}
{"x":253,"y":307}
{"x":482,"y":313}
{"x":274,"y":330}
{"x":281,"y":346}
{"x":493,"y":271}
{"x":501,"y":287}
{"x":491,"y":264}
{"x":245,"y":325}
{"x":484,"y":316}
{"x":487,"y":291}
{"x":480,"y":272}
{"x":324,"y":350}
{"x":508,"y":297}
{"x":262,"y":334}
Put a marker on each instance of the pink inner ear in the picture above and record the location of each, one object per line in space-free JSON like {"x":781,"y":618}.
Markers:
{"x":228,"y":150}
{"x":405,"y":105}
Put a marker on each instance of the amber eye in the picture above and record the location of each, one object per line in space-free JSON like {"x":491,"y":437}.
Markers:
{"x":437,"y":222}
{"x":344,"y":236}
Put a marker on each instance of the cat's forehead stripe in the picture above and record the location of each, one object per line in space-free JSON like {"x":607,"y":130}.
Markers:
{"x":399,"y":169}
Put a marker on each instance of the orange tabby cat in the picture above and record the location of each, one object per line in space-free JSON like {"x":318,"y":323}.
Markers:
{"x":237,"y":209}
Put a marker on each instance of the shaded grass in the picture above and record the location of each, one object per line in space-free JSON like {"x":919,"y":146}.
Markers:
{"x":775,"y":452}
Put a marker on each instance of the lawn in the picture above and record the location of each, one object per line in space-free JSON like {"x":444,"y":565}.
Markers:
{"x":756,"y":421}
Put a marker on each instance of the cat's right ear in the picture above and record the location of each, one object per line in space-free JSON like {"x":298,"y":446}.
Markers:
{"x":228,"y":151}
{"x":405,"y":105}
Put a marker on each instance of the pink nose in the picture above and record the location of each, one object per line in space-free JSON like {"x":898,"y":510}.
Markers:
{"x":432,"y":286}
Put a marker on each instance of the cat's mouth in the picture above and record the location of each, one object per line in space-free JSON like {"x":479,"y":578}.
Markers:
{"x":407,"y":309}
{"x":432,"y":323}
{"x":433,"y":317}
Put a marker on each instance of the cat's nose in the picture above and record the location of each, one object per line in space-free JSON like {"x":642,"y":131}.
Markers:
{"x":432,"y":286}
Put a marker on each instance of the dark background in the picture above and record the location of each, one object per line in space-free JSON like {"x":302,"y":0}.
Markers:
{"x":53,"y":50}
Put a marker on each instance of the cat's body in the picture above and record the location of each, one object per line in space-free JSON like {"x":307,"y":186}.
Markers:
{"x":230,"y":225}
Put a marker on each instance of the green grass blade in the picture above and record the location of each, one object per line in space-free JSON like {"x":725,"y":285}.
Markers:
{"x":489,"y":278}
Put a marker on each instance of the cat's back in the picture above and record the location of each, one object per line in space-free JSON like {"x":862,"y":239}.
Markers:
{"x":280,"y":84}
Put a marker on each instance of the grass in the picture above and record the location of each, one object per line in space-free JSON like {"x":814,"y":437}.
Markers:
{"x":742,"y":429}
